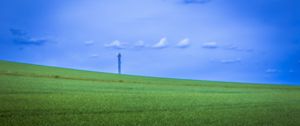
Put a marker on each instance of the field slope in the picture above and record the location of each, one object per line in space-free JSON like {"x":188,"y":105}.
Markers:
{"x":32,"y":95}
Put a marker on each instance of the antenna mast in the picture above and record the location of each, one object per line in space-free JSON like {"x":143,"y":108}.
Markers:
{"x":119,"y":63}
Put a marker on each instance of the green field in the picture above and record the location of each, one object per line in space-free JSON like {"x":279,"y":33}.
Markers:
{"x":32,"y":95}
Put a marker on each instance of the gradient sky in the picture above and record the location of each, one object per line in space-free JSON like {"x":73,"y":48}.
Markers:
{"x":225,"y":40}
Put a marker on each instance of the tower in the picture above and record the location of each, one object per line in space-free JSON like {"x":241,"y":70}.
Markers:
{"x":119,"y":63}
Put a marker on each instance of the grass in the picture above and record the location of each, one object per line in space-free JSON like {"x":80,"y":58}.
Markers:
{"x":32,"y":95}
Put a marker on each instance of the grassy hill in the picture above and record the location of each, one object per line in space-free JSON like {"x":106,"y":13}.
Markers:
{"x":32,"y":95}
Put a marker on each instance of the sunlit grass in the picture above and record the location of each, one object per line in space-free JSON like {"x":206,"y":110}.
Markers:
{"x":36,"y":95}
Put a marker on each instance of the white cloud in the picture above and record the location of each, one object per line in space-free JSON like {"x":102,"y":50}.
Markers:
{"x":89,"y":42}
{"x":229,"y":61}
{"x":163,"y":43}
{"x":236,"y":48}
{"x":184,"y":43}
{"x":196,"y":1}
{"x":21,"y":37}
{"x":115,"y":44}
{"x":210,"y":45}
{"x":94,"y":56}
{"x":272,"y":70}
{"x":140,"y":44}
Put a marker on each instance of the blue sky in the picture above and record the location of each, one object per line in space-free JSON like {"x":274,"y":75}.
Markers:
{"x":224,"y":40}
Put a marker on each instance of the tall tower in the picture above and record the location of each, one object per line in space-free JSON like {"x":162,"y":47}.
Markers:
{"x":119,"y":63}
